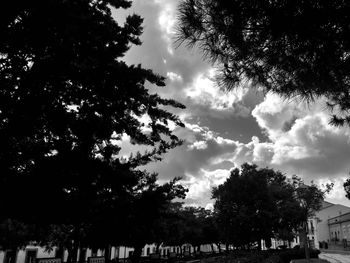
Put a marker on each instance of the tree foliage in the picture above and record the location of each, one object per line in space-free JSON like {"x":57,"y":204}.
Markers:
{"x":255,"y":204}
{"x":310,"y":198}
{"x":66,"y":100}
{"x":347,"y":188}
{"x":292,"y":48}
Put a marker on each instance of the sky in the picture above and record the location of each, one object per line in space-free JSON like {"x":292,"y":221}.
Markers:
{"x":226,"y":129}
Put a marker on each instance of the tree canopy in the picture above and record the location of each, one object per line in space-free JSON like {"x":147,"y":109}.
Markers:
{"x":67,"y":98}
{"x":255,"y":204}
{"x":293,"y":48}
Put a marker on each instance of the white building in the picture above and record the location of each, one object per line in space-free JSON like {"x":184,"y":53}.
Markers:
{"x":318,"y":226}
{"x":327,"y":212}
{"x":31,"y":253}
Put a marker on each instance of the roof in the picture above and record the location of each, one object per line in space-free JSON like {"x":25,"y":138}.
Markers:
{"x":326,"y":204}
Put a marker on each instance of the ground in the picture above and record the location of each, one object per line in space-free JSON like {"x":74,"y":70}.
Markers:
{"x":335,"y":258}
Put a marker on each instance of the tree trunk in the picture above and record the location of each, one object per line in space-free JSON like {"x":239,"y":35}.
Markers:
{"x":107,"y":254}
{"x":136,"y":256}
{"x":259,"y":244}
{"x":219,"y":247}
{"x":268,"y":243}
{"x":212,"y":247}
{"x":227,"y":247}
{"x":82,"y":255}
{"x":73,"y":249}
{"x":306,"y":242}
{"x":72,"y":254}
{"x":69,"y":256}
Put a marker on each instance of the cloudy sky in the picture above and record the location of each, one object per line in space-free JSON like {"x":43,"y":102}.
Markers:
{"x":224,"y":130}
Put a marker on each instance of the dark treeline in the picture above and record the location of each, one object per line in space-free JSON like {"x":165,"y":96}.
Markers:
{"x":251,"y":206}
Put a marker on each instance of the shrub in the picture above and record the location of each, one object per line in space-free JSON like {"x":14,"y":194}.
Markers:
{"x":290,"y":254}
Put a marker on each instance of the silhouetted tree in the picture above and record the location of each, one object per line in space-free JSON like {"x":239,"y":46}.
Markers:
{"x":66,"y":100}
{"x":254,"y":204}
{"x":293,"y":48}
{"x":187,"y":225}
{"x":14,"y":234}
{"x":149,"y":207}
{"x":210,"y":231}
{"x":347,"y":188}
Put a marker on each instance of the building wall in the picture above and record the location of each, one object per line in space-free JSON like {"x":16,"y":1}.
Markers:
{"x":323,"y":231}
{"x":339,"y":227}
{"x":116,"y":252}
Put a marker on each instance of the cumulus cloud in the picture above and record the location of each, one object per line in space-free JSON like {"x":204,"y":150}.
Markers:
{"x":310,"y":145}
{"x":224,"y":130}
{"x":307,"y":145}
{"x":204,"y":91}
{"x":200,"y":187}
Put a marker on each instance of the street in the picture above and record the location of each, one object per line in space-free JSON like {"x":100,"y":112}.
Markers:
{"x":335,"y":258}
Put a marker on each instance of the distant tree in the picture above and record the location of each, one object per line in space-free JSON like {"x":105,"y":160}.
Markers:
{"x":14,"y":234}
{"x":210,"y":231}
{"x":188,"y":225}
{"x":254,"y":204}
{"x":194,"y":220}
{"x":347,"y":188}
{"x":170,"y":230}
{"x":293,"y":48}
{"x":66,"y":100}
{"x":149,"y":207}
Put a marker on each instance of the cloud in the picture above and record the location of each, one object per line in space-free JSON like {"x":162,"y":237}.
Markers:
{"x":200,"y":187}
{"x":204,"y":92}
{"x":302,"y":142}
{"x":224,"y":130}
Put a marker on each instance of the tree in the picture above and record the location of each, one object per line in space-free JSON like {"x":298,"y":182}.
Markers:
{"x":254,"y":204}
{"x":66,"y":100}
{"x":15,"y":234}
{"x":186,"y":225}
{"x":293,"y":48}
{"x":310,"y":198}
{"x":210,"y":231}
{"x":347,"y":188}
{"x":193,"y":225}
{"x":149,"y":207}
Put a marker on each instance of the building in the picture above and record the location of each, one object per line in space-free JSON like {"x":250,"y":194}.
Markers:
{"x":31,"y":254}
{"x":339,"y":230}
{"x":331,"y":223}
{"x":324,"y":224}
